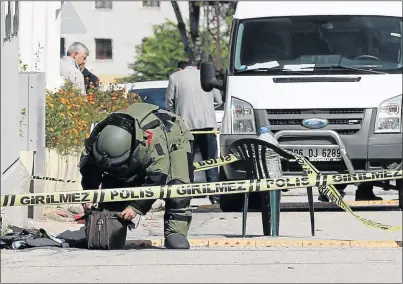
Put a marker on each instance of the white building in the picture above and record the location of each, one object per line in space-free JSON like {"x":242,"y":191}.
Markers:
{"x":112,"y":29}
{"x":39,"y":43}
{"x":20,"y":96}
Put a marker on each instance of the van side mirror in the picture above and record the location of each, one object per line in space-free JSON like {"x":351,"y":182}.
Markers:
{"x":208,"y":78}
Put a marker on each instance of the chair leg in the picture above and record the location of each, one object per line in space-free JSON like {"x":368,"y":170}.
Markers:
{"x":311,"y":209}
{"x":275,"y":197}
{"x":245,"y":213}
{"x":265,"y":209}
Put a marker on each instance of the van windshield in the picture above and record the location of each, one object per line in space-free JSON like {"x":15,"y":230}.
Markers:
{"x":317,"y":44}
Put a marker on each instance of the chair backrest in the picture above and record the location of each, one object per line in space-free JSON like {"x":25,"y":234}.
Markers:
{"x":253,"y":151}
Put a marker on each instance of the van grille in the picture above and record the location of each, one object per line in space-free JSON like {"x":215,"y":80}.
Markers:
{"x":343,"y":121}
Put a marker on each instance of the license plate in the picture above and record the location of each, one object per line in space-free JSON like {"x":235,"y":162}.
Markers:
{"x":318,"y":154}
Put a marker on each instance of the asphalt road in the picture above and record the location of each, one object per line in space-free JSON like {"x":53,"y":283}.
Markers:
{"x":203,"y":266}
{"x":220,"y":265}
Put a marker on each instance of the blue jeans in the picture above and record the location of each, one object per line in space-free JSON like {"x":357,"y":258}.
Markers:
{"x":208,"y":148}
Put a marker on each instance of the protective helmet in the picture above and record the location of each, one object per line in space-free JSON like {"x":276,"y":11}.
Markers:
{"x":112,"y":143}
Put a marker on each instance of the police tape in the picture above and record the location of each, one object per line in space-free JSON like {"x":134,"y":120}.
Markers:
{"x":197,"y":166}
{"x":214,"y":163}
{"x":313,"y":177}
{"x":192,"y":190}
{"x":334,"y":196}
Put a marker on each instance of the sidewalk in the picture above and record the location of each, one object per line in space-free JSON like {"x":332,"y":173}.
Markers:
{"x":215,"y":228}
{"x":208,"y":228}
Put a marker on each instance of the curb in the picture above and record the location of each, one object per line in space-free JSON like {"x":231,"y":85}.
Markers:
{"x":269,"y":243}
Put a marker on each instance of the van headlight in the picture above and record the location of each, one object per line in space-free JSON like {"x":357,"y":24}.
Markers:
{"x":389,"y":116}
{"x":243,"y":117}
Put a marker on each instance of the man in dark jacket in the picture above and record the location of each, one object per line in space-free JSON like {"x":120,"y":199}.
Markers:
{"x":90,"y":79}
{"x":142,"y":146}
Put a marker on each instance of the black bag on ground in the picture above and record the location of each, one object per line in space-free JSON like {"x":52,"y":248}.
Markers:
{"x":104,"y":230}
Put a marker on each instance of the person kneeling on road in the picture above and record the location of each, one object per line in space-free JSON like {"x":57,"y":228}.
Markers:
{"x":142,"y":146}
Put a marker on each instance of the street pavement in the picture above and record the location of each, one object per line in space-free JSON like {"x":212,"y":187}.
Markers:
{"x":224,"y":264}
{"x":203,"y":266}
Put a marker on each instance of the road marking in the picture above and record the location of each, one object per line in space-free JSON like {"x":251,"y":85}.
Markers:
{"x":262,"y":243}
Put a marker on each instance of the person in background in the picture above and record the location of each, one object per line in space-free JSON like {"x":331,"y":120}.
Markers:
{"x":90,"y":80}
{"x":186,"y":98}
{"x":77,"y":54}
{"x":182,"y":65}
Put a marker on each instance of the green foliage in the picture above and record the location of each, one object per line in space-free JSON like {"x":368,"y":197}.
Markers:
{"x":212,"y":48}
{"x":69,"y":115}
{"x":209,"y":35}
{"x":157,"y":56}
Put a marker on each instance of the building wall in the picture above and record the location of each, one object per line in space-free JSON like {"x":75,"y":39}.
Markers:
{"x":40,"y":38}
{"x":12,"y":169}
{"x":126,"y":24}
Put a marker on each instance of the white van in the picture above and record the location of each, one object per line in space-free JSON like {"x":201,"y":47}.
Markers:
{"x":327,"y":77}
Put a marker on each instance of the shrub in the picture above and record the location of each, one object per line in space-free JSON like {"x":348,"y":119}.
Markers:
{"x":69,"y":115}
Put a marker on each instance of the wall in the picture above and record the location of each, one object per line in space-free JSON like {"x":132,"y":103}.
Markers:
{"x":126,"y":24}
{"x":40,"y":23}
{"x":12,"y":168}
{"x":22,"y":121}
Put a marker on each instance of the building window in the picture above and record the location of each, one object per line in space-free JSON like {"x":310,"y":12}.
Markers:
{"x":62,"y":47}
{"x":103,"y":48}
{"x":103,"y":4}
{"x":151,"y":3}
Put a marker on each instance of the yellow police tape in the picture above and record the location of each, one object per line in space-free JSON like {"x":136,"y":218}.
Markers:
{"x":313,"y":178}
{"x":324,"y":188}
{"x":214,"y":163}
{"x":334,"y":196}
{"x":197,"y":166}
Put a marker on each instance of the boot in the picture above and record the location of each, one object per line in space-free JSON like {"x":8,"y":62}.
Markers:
{"x":365,"y":192}
{"x":176,"y":241}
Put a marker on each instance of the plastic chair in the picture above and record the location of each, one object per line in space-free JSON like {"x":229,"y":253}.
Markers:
{"x":253,"y":152}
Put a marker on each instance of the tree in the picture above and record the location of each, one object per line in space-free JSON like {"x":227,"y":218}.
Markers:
{"x":157,"y":56}
{"x":216,"y":32}
{"x":210,"y":37}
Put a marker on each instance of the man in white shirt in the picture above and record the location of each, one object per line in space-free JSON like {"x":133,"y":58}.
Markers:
{"x":77,"y":54}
